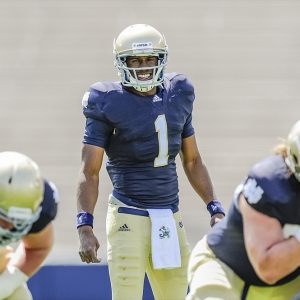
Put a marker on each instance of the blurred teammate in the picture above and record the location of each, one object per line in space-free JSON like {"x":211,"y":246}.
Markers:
{"x":28,"y":204}
{"x":141,"y":123}
{"x":254,"y":253}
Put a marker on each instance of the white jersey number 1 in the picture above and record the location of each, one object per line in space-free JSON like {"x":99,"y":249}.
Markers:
{"x":162,"y":131}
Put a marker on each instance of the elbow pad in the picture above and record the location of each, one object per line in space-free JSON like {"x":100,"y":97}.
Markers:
{"x":10,"y":279}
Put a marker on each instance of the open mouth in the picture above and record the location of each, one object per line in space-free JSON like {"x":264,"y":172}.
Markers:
{"x":144,"y":77}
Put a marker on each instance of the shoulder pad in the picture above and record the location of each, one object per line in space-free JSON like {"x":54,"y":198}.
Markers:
{"x":51,"y":198}
{"x":272,"y":178}
{"x":94,"y":100}
{"x":179,"y":81}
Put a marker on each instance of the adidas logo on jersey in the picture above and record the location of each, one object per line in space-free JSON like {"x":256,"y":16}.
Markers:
{"x":156,"y":99}
{"x":124,"y":228}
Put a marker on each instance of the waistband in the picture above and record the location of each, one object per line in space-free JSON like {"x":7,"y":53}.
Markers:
{"x":116,"y":199}
{"x":133,"y":211}
{"x":126,"y":209}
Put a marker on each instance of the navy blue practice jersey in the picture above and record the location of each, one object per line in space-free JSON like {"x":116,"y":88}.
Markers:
{"x":49,"y":207}
{"x":271,"y":189}
{"x":141,"y":136}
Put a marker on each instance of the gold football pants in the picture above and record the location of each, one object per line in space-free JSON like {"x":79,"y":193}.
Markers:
{"x":211,"y":279}
{"x":21,"y":293}
{"x":129,"y":258}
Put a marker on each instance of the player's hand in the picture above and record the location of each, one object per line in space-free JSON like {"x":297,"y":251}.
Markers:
{"x":5,"y":256}
{"x":216,"y":218}
{"x":88,"y":245}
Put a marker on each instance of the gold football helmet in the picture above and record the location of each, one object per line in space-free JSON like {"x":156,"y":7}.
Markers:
{"x":140,"y":40}
{"x":293,"y":151}
{"x":21,"y":193}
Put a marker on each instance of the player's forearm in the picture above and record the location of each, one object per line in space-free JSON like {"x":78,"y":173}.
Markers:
{"x":87,"y":192}
{"x":200,"y":180}
{"x":29,"y":261}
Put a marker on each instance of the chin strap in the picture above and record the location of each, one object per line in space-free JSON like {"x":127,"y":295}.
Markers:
{"x":143,"y":89}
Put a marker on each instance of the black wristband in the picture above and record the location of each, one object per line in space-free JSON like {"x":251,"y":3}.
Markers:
{"x":215,"y":207}
{"x":84,"y":218}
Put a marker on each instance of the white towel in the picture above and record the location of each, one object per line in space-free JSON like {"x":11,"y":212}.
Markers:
{"x":164,"y":239}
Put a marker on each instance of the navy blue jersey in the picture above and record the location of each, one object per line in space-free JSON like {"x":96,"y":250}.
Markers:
{"x":141,"y":136}
{"x":270,"y":189}
{"x":49,"y":207}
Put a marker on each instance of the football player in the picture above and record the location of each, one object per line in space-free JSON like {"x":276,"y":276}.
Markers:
{"x":141,"y":123}
{"x":28,"y":204}
{"x":255,"y":252}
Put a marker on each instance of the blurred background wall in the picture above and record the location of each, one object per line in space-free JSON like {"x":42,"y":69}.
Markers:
{"x":241,"y":55}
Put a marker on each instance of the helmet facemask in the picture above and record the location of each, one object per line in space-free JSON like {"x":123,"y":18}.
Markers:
{"x":22,"y":219}
{"x":140,"y":40}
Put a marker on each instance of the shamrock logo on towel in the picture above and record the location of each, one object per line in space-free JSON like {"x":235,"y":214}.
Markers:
{"x":165,"y":232}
